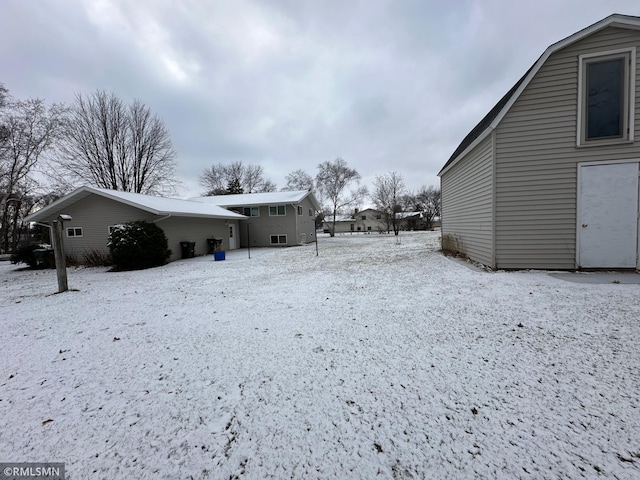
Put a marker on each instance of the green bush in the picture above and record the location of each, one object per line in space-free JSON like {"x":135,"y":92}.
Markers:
{"x":138,"y":245}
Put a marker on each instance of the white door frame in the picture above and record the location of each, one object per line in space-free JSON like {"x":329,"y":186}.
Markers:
{"x":578,"y":212}
{"x":233,"y":232}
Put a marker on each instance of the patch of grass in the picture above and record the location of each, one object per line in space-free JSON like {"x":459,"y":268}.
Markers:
{"x":452,"y":245}
{"x":96,"y":258}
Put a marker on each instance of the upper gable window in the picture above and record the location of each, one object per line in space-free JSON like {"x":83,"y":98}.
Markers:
{"x":607,"y":96}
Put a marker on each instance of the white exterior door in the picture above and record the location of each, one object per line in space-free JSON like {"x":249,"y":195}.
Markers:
{"x":608,"y":216}
{"x":232,"y":237}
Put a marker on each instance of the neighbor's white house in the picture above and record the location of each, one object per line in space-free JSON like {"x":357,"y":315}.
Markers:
{"x":549,"y":177}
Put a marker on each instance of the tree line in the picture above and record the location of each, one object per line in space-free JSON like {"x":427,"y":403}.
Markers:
{"x":100,"y":140}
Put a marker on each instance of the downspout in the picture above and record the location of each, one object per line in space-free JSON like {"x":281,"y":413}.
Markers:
{"x":295,"y":212}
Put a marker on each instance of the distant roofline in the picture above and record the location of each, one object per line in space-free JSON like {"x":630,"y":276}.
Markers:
{"x":246,"y":200}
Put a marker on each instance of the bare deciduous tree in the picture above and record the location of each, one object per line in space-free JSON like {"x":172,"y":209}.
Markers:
{"x":429,"y":203}
{"x":332,"y":181}
{"x":235,"y":177}
{"x":299,"y":180}
{"x":388,"y":195}
{"x":112,"y":145}
{"x":29,"y":128}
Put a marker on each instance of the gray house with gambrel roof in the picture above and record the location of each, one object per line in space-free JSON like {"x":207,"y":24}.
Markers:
{"x":548,"y":179}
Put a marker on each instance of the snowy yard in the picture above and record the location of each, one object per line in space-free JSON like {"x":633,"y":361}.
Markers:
{"x":373,"y":360}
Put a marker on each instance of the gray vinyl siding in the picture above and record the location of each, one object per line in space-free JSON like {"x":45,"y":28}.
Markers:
{"x":197,"y":230}
{"x":95,"y":214}
{"x":536,"y":160}
{"x":257,"y":231}
{"x":306,"y":224}
{"x":467,"y":204}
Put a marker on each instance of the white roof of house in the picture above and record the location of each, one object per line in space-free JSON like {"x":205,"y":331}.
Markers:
{"x":408,"y":214}
{"x":149,"y":203}
{"x":256,"y":199}
{"x":339,"y":218}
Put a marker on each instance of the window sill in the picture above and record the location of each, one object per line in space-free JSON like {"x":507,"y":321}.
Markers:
{"x":604,"y":143}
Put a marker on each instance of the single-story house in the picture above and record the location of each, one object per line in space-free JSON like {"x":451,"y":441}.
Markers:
{"x":95,"y":211}
{"x":272,"y":218}
{"x":548,"y":179}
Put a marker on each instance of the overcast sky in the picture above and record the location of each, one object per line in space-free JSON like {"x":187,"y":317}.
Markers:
{"x":387,"y":85}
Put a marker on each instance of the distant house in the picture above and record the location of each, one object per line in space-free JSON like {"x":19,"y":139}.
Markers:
{"x":410,"y":221}
{"x":549,"y":177}
{"x":364,"y":221}
{"x":272,"y":218}
{"x":343,"y":224}
{"x":95,"y":211}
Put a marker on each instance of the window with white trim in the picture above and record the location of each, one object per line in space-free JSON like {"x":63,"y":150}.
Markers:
{"x":251,"y":211}
{"x":74,"y":231}
{"x":278,"y":239}
{"x":300,"y":210}
{"x":606,"y":90}
{"x":311,"y":212}
{"x":277,"y":210}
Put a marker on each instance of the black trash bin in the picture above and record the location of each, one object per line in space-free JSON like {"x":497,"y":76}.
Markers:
{"x":188,"y":249}
{"x":214,"y":244}
{"x":44,"y":258}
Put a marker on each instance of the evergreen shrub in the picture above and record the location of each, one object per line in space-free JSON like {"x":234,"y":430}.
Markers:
{"x":138,"y":245}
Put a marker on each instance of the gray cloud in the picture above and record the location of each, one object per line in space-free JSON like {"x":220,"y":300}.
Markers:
{"x":387,"y":85}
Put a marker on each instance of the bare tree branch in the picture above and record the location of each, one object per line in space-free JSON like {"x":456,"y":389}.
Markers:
{"x":387,"y":196}
{"x":332,"y":180}
{"x":236,"y":177}
{"x":114,"y":146}
{"x":299,"y":180}
{"x":29,"y":129}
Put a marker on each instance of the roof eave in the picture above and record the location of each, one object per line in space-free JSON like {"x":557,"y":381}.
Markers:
{"x":479,"y":139}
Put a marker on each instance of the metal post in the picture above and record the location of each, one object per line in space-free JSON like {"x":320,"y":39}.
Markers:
{"x":58,"y":251}
{"x":248,"y":242}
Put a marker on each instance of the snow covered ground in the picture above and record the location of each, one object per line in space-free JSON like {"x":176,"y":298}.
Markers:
{"x":372,"y":360}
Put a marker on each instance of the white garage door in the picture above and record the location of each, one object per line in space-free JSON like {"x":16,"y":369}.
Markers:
{"x":608,"y":216}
